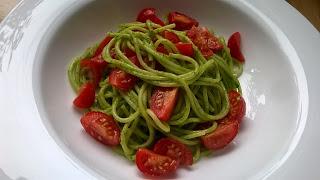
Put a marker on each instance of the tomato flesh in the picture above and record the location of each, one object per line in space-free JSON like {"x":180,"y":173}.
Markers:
{"x":163,"y":101}
{"x":86,"y":96}
{"x":123,"y":80}
{"x":95,"y":66}
{"x":237,"y":106}
{"x":234,"y":44}
{"x":162,"y":49}
{"x":174,"y":149}
{"x":149,"y":13}
{"x":154,"y":164}
{"x":101,"y":46}
{"x":182,"y":21}
{"x":205,"y":41}
{"x":171,"y":36}
{"x":229,"y":125}
{"x":185,"y":49}
{"x":101,"y":127}
{"x":222,"y":136}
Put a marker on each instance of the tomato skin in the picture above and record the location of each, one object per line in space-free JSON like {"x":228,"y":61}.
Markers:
{"x":162,"y":49}
{"x":229,"y":125}
{"x":86,"y":96}
{"x":96,"y":66}
{"x":101,"y":127}
{"x":153,"y":164}
{"x":122,"y":80}
{"x":185,"y":49}
{"x":234,"y":44}
{"x":101,"y":46}
{"x":149,"y":13}
{"x":222,"y":136}
{"x":182,"y":21}
{"x":205,"y":41}
{"x":237,"y":106}
{"x":129,"y":53}
{"x":171,"y":36}
{"x":174,"y":149}
{"x":163,"y":101}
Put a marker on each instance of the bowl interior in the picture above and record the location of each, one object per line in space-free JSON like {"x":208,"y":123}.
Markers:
{"x":269,"y":83}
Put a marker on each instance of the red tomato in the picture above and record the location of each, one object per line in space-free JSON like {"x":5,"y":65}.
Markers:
{"x":228,"y":126}
{"x":129,"y":53}
{"x":134,"y":59}
{"x":205,"y":41}
{"x":185,"y":49}
{"x":162,"y":49}
{"x":103,"y":43}
{"x":237,"y":105}
{"x":171,"y":36}
{"x":96,"y":66}
{"x":234,"y":44}
{"x":86,"y":96}
{"x":101,"y":127}
{"x":149,"y":13}
{"x":222,"y":136}
{"x":237,"y":108}
{"x":163,"y":101}
{"x":182,"y":21}
{"x":122,"y":80}
{"x":174,"y":149}
{"x":154,"y":164}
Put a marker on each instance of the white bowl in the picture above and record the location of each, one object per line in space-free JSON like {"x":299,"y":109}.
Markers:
{"x":39,"y":97}
{"x":273,"y":83}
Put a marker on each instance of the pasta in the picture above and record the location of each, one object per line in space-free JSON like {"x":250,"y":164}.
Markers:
{"x":203,"y":85}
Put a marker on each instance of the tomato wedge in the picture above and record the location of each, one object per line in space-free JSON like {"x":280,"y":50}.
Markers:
{"x":234,"y":44}
{"x":174,"y":149}
{"x":154,"y":164}
{"x":222,"y":136}
{"x":123,"y":80}
{"x":149,"y":13}
{"x":171,"y":36}
{"x":95,"y":66}
{"x":86,"y":96}
{"x":237,"y":106}
{"x":182,"y":21}
{"x":101,"y":127}
{"x":204,"y":40}
{"x":162,"y":49}
{"x":185,"y":48}
{"x":228,"y":126}
{"x":103,"y":43}
{"x":163,"y":101}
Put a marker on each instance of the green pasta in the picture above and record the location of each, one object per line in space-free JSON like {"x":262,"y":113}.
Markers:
{"x":203,"y":85}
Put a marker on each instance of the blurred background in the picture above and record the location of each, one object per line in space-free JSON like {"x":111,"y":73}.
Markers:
{"x":309,"y":8}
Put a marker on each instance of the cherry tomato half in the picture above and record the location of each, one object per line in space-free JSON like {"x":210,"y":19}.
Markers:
{"x":222,"y":136}
{"x":86,"y":96}
{"x":234,"y":44}
{"x":174,"y":149}
{"x":171,"y":36}
{"x":95,"y":67}
{"x":149,"y":13}
{"x":182,"y":21}
{"x":163,"y":101}
{"x":204,"y":40}
{"x":101,"y":127}
{"x":103,"y":43}
{"x":185,"y":48}
{"x":154,"y":164}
